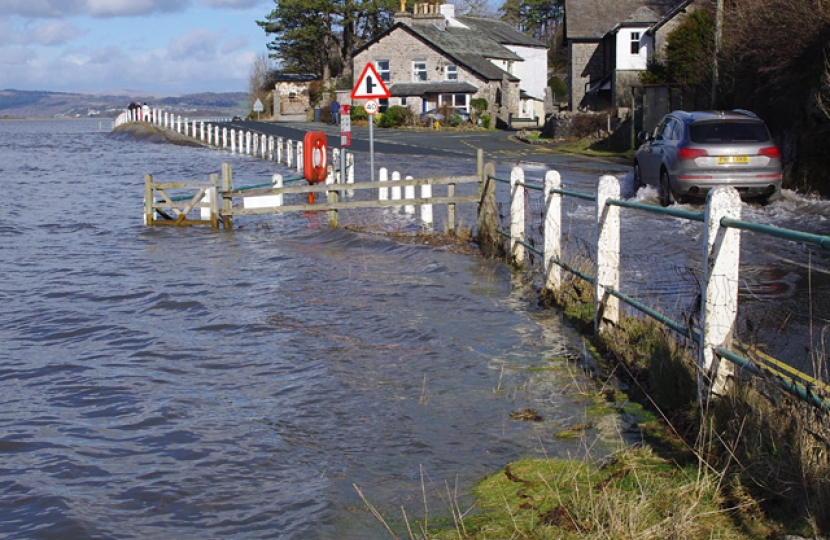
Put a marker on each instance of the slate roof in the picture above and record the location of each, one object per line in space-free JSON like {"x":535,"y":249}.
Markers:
{"x":471,"y":47}
{"x":420,"y":89}
{"x":500,"y":32}
{"x":592,"y":19}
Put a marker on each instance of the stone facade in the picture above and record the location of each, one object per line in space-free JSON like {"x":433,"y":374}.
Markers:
{"x":401,"y":49}
{"x":585,"y":64}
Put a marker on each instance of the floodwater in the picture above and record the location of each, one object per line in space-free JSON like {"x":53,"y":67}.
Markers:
{"x":212,"y":384}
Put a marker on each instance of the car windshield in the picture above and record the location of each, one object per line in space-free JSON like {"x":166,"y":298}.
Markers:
{"x":728,"y":132}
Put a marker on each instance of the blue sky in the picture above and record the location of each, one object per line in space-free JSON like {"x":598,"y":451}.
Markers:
{"x":154,"y":46}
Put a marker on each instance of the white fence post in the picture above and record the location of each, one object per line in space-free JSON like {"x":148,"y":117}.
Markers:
{"x":216,"y":137}
{"x":289,"y":153}
{"x":517,"y":215}
{"x":263,"y":146}
{"x":202,"y":131}
{"x":427,"y":220}
{"x":270,"y":148}
{"x":720,"y":289}
{"x":607,"y":307}
{"x":300,"y":154}
{"x":553,"y":231}
{"x":278,"y":159}
{"x":224,"y":138}
{"x":247,"y":143}
{"x":383,"y":176}
{"x":396,"y":190}
{"x":241,"y":141}
{"x":349,"y":174}
{"x":265,"y":201}
{"x":409,"y":193}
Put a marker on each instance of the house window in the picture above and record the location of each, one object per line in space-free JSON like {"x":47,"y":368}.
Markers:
{"x":403,"y":101}
{"x":419,"y":71}
{"x":451,"y":73}
{"x":383,"y":69}
{"x":454,"y":100}
{"x":635,"y":42}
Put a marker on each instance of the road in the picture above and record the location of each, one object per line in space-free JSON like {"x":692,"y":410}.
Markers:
{"x":499,"y":146}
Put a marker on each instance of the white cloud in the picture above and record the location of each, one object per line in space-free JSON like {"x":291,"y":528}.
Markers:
{"x":54,"y":33}
{"x":54,"y":9}
{"x":235,"y":44}
{"x":127,"y":8}
{"x":234,"y":4}
{"x":197,"y":44}
{"x":15,"y":57}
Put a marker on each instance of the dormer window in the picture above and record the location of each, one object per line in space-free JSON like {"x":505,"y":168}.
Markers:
{"x":451,"y":73}
{"x":635,"y":42}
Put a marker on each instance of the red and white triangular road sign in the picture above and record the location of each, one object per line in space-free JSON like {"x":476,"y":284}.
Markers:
{"x":370,"y":85}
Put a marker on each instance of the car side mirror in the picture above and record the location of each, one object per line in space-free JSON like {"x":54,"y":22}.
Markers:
{"x":644,"y":136}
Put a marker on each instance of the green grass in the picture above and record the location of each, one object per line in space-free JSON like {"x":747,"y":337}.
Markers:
{"x":635,"y":494}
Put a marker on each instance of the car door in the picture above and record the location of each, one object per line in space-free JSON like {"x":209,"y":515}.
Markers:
{"x":651,"y":153}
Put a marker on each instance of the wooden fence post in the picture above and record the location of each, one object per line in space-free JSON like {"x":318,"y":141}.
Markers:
{"x":212,"y":196}
{"x":332,"y":197}
{"x":451,"y":222}
{"x":489,"y":240}
{"x":517,"y":216}
{"x":720,"y":289}
{"x":607,"y":245}
{"x":553,"y":231}
{"x":149,"y":211}
{"x":227,"y":200}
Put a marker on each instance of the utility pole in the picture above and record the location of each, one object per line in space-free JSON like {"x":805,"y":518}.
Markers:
{"x":718,"y":27}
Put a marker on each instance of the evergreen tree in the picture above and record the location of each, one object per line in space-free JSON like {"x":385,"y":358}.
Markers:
{"x":318,"y":35}
{"x":538,"y":18}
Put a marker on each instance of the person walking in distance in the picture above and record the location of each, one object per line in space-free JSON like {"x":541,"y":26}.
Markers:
{"x":335,"y":112}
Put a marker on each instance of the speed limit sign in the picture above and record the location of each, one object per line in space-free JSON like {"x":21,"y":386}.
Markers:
{"x":371,"y":106}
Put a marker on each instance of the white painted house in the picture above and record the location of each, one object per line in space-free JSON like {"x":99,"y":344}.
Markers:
{"x":609,"y":44}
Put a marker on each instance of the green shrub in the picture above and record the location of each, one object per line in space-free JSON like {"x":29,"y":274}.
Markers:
{"x":358,"y":113}
{"x":479,"y":105}
{"x":558,"y":87}
{"x":396,"y":116}
{"x":485,"y":121}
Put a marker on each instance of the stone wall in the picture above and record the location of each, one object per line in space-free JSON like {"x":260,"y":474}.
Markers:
{"x":585,"y":65}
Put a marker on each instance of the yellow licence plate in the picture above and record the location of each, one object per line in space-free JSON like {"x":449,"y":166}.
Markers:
{"x":732,"y":159}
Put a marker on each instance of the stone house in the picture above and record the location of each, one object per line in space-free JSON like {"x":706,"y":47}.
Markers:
{"x":431,"y":57}
{"x":291,"y":95}
{"x":609,"y":43}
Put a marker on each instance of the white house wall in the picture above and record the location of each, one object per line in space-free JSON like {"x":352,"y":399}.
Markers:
{"x":533,"y":72}
{"x":627,"y":61}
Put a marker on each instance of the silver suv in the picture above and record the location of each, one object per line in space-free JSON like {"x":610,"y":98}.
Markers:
{"x":690,"y":153}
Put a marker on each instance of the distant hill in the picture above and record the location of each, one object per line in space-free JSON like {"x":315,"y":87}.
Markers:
{"x":44,"y":104}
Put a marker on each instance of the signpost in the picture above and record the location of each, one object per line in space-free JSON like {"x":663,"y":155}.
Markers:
{"x":258,"y":108}
{"x":370,"y":86}
{"x":345,"y":125}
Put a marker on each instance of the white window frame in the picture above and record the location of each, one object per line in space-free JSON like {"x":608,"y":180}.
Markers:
{"x":419,"y":71}
{"x":451,"y":73}
{"x":385,"y":74}
{"x":635,"y":43}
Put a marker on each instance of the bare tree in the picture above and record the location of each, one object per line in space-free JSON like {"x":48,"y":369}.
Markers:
{"x":258,"y":80}
{"x":473,"y":8}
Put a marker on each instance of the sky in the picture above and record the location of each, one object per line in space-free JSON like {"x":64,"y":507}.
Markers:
{"x":161,"y":47}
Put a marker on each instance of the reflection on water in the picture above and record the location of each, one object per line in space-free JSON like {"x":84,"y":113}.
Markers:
{"x":161,"y":383}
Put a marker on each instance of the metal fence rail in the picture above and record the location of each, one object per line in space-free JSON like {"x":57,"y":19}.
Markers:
{"x":715,"y":317}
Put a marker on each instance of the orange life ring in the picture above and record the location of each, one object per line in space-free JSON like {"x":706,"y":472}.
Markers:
{"x":315,"y":157}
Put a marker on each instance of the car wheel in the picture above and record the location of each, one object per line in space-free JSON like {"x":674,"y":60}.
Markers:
{"x":638,"y":177}
{"x":666,"y":196}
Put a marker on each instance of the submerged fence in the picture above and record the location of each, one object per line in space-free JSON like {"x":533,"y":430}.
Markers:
{"x":710,"y":323}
